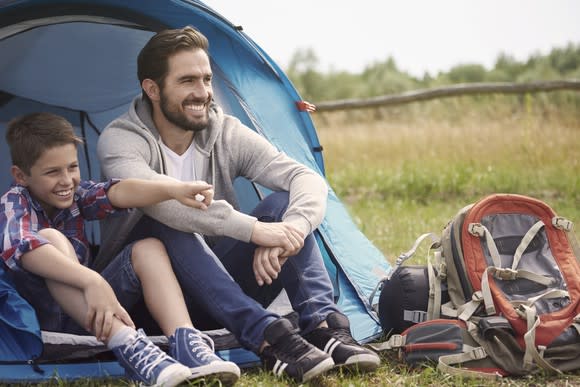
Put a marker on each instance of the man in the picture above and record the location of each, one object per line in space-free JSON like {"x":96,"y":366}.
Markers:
{"x":176,"y":131}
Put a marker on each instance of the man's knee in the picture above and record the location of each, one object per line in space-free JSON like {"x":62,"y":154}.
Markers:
{"x":272,"y":207}
{"x":278,"y":198}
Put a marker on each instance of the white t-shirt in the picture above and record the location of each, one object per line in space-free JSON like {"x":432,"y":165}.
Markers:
{"x":181,"y":166}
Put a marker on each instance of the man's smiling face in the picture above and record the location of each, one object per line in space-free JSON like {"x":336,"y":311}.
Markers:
{"x":186,"y":91}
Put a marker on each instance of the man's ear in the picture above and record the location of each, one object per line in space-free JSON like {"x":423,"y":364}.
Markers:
{"x":19,"y":175}
{"x":151,"y":89}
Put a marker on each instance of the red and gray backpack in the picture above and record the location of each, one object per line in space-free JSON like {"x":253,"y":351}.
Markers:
{"x":499,"y":295}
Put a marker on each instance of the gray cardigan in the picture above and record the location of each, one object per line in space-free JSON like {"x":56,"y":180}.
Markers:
{"x":129,"y":147}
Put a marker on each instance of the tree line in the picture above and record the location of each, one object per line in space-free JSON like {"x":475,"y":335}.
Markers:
{"x":385,"y":77}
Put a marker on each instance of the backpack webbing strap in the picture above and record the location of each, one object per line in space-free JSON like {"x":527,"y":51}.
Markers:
{"x":404,"y":256}
{"x":377,"y":288}
{"x":466,"y":310}
{"x":532,"y":355}
{"x":434,"y":305}
{"x":486,"y":292}
{"x":510,"y":274}
{"x":480,"y":231}
{"x":530,"y":235}
{"x":394,"y":342}
{"x":447,"y":364}
{"x":553,"y":293}
{"x":435,"y":242}
{"x":448,"y":310}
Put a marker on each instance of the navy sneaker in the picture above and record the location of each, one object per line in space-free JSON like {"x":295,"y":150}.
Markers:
{"x":196,"y":350}
{"x":147,"y":364}
{"x":336,"y":340}
{"x":289,"y":354}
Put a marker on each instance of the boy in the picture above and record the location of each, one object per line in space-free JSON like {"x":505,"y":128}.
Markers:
{"x":44,"y":244}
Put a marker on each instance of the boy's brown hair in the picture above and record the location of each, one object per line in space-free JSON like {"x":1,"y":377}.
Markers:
{"x":30,"y":135}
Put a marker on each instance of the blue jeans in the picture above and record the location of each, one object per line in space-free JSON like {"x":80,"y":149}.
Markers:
{"x":220,"y":282}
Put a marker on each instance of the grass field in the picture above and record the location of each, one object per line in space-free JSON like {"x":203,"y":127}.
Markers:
{"x":408,"y":170}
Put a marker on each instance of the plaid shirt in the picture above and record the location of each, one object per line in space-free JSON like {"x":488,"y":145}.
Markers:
{"x":21,"y":217}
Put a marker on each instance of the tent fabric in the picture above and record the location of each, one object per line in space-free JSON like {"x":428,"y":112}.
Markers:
{"x":77,"y":58}
{"x":19,"y":330}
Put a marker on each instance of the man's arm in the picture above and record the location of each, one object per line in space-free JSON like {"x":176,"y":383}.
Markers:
{"x":306,"y":208}
{"x":262,"y":163}
{"x":125,"y":154}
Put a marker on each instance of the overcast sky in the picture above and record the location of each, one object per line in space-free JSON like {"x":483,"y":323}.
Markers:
{"x":421,"y":35}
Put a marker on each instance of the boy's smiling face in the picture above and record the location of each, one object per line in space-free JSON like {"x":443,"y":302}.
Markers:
{"x":53,"y":178}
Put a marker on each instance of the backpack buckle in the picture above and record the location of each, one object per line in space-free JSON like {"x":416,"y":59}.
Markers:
{"x":476,"y":229}
{"x":506,"y":274}
{"x":442,"y":272}
{"x":477,"y":296}
{"x":397,"y":341}
{"x":562,"y":223}
{"x":478,"y":353}
{"x":522,"y":311}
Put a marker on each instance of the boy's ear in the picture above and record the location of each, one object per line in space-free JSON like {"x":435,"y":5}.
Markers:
{"x":151,"y":89}
{"x":18,"y":175}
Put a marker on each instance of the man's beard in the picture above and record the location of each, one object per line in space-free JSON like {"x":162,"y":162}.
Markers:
{"x":180,"y":120}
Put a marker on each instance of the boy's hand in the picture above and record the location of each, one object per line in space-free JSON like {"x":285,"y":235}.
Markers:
{"x":103,"y":307}
{"x":196,"y":194}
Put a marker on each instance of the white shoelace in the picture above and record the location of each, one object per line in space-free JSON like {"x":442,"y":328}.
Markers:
{"x":202,"y":347}
{"x":145,"y":354}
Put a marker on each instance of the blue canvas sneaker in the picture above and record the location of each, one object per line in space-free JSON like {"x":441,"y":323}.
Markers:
{"x":146,"y":363}
{"x":196,"y":350}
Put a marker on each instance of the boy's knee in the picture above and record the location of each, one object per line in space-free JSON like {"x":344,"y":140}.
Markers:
{"x":58,"y":240}
{"x":52,"y":235}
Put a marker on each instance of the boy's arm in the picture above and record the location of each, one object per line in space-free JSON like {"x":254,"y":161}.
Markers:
{"x":101,"y":303}
{"x":130,"y":193}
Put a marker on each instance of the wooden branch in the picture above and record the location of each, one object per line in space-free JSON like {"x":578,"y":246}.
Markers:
{"x":449,"y":91}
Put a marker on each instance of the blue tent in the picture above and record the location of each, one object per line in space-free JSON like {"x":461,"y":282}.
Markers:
{"x":77,"y":58}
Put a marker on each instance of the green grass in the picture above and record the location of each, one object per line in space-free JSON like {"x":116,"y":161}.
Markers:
{"x":413,"y":168}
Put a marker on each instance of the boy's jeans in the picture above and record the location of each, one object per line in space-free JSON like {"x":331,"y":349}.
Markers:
{"x":220,"y":280}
